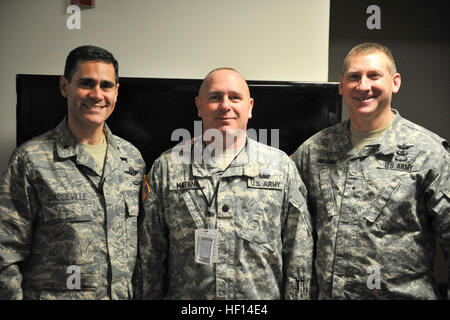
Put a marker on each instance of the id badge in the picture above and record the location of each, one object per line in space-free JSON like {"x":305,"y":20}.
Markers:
{"x":206,"y":246}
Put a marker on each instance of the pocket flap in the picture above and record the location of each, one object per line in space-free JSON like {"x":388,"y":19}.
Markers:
{"x":132,"y":206}
{"x":327,"y":192}
{"x":380,"y":201}
{"x":194,"y":210}
{"x":68,"y":211}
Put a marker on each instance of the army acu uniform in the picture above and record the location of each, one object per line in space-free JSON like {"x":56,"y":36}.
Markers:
{"x":66,"y":232}
{"x":260,"y":214}
{"x":376,"y":211}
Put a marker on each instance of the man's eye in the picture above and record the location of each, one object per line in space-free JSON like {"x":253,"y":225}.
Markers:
{"x":374,"y":76}
{"x":85,"y":84}
{"x":213,"y":98}
{"x":107,"y":87}
{"x":235,"y":98}
{"x":353,"y":77}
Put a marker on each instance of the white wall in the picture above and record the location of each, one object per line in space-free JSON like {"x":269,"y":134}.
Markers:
{"x":263,"y":39}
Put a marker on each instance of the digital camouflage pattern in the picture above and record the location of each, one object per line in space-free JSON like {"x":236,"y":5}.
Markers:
{"x":377,"y":208}
{"x":265,"y":244}
{"x":52,"y":217}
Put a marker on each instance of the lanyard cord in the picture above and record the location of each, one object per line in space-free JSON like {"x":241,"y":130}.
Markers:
{"x":99,"y":189}
{"x":210,"y":202}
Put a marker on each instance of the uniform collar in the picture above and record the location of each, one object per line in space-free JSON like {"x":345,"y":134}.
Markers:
{"x":384,"y":144}
{"x":245,"y":163}
{"x":68,"y":147}
{"x":387,"y":144}
{"x":344,"y":143}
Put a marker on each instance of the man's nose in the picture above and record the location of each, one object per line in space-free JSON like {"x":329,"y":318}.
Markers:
{"x":96,"y":93}
{"x":225,"y":103}
{"x":364,"y":83}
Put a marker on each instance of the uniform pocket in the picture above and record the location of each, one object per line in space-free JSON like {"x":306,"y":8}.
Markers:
{"x":132,"y":212}
{"x":67,"y":211}
{"x":377,"y":205}
{"x":88,"y":294}
{"x":132,"y":205}
{"x":257,"y":215}
{"x":306,"y":219}
{"x":327,"y":192}
{"x":194,"y":210}
{"x":257,"y":243}
{"x":446,"y":188}
{"x":65,"y":234}
{"x":65,"y":221}
{"x":60,"y":281}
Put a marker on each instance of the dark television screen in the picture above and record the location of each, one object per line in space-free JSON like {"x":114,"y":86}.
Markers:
{"x":148,"y":110}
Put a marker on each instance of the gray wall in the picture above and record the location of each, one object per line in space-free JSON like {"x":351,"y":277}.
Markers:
{"x":171,"y":39}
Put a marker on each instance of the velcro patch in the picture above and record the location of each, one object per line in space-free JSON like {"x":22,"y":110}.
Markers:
{"x":261,"y":183}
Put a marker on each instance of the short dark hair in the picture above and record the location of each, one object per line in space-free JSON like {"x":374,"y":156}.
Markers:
{"x":88,"y":53}
{"x":369,"y":48}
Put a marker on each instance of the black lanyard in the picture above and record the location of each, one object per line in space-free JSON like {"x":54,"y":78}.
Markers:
{"x":98,"y":188}
{"x":210,"y":202}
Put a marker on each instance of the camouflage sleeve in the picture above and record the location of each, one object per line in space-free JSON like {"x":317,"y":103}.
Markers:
{"x":153,"y":240}
{"x":297,"y":240}
{"x":17,"y":203}
{"x":439,"y":204}
{"x":296,"y":157}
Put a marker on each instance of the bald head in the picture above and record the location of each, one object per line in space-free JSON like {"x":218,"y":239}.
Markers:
{"x":206,"y":80}
{"x":224,"y":101}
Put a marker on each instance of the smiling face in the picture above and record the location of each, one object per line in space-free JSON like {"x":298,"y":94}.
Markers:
{"x":367,"y":86}
{"x":91,"y":95}
{"x":224,"y":101}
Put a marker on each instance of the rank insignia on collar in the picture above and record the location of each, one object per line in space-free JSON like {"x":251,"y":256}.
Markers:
{"x":132,"y":171}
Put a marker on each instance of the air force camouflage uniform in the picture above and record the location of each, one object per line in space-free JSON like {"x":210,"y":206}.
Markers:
{"x":264,"y":236}
{"x":376,"y":211}
{"x":56,"y":219}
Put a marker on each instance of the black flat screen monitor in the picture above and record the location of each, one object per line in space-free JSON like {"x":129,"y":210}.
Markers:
{"x":148,"y":110}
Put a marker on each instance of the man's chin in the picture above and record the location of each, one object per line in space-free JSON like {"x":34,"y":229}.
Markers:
{"x":364,"y":110}
{"x":91,"y":121}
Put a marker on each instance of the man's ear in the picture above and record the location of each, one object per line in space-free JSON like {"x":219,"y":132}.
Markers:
{"x":340,"y":85}
{"x":397,"y":81}
{"x":63,"y":84}
{"x":197,"y":103}
{"x":250,"y":108}
{"x":117,"y":90}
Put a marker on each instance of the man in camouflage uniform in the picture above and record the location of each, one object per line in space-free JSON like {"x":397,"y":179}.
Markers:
{"x":378,"y":190}
{"x":248,"y":200}
{"x":69,"y":199}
